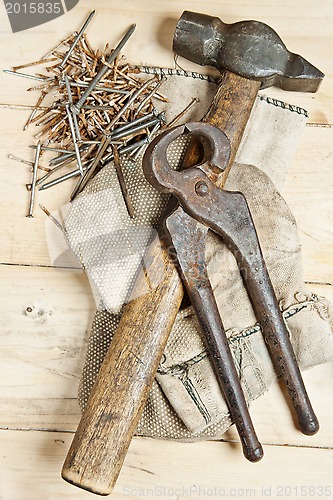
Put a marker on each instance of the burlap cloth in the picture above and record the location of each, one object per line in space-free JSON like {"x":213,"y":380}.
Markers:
{"x":185,"y":402}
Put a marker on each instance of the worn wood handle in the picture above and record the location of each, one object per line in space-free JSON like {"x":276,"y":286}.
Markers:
{"x":126,"y":375}
{"x":125,"y":378}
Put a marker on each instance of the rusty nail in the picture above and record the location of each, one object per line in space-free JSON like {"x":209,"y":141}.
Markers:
{"x":34,"y":111}
{"x":25,"y":75}
{"x":182,"y":113}
{"x":28,"y":65}
{"x":103,"y":70}
{"x":122,"y":183}
{"x":70,"y":175}
{"x":53,"y":219}
{"x":74,"y":116}
{"x":33,"y":182}
{"x":76,"y":147}
{"x":80,"y":33}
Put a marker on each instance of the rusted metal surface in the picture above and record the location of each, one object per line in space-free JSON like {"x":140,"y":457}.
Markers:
{"x":203,"y":206}
{"x":188,"y":238}
{"x":250,"y":49}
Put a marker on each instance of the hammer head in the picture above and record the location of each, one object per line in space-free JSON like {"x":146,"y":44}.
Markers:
{"x":250,"y":49}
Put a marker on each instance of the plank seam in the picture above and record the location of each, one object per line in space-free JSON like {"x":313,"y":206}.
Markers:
{"x":322,"y":283}
{"x":226,"y":441}
{"x":319,"y":125}
{"x":45,"y":266}
{"x":281,"y":445}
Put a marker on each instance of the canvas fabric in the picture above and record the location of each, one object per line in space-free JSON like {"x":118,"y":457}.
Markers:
{"x":185,"y":402}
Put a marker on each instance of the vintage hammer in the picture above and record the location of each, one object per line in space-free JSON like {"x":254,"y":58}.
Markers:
{"x":250,"y":56}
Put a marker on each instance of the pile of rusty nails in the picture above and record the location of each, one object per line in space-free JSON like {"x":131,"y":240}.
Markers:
{"x":102,"y":111}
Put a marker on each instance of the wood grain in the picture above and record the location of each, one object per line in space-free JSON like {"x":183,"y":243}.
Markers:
{"x":41,"y":363}
{"x":46,"y":314}
{"x":305,"y":28}
{"x":29,"y":462}
{"x":309,"y":192}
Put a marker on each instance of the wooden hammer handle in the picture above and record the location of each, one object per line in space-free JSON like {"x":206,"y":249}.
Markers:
{"x":126,"y":375}
{"x":122,"y":386}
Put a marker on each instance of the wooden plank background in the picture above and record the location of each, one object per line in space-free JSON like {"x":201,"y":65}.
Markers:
{"x":46,"y":312}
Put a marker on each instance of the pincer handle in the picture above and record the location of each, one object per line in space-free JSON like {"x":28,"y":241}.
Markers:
{"x":246,"y":248}
{"x":189,"y":239}
{"x":227,"y":213}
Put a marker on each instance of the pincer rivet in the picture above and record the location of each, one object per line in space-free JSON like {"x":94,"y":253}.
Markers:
{"x":201,"y":188}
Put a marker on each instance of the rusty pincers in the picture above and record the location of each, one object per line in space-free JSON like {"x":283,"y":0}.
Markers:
{"x":202,"y":206}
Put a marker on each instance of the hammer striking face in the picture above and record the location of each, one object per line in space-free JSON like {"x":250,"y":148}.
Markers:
{"x":250,"y":49}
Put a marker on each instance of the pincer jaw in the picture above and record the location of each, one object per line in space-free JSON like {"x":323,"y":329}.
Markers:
{"x":155,"y":163}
